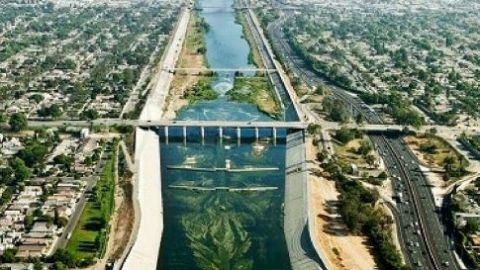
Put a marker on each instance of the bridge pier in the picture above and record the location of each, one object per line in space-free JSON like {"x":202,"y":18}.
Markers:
{"x":184,"y":134}
{"x":220,"y":133}
{"x":239,"y":136}
{"x":274,"y":135}
{"x":166,"y":134}
{"x":202,"y":134}
{"x":256,"y":133}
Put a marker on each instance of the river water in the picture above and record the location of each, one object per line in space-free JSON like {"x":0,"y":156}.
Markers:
{"x":220,"y":229}
{"x":226,"y":49}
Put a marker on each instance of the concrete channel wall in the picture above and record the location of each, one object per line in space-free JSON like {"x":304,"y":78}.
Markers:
{"x":303,"y":255}
{"x":148,"y":193}
{"x":143,"y":248}
{"x":311,"y":229}
{"x":279,"y":82}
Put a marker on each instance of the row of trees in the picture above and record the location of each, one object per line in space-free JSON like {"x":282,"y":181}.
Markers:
{"x":361,"y":215}
{"x":397,"y":106}
{"x":103,"y":200}
{"x":344,"y":135}
{"x":336,"y":110}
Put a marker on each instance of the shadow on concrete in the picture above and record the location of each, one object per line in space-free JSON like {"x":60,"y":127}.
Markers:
{"x":307,"y":246}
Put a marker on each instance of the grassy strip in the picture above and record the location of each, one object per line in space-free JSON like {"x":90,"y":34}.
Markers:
{"x":89,"y":238}
{"x":258,"y":91}
{"x":254,"y":57}
{"x":438,"y":152}
{"x":201,"y":91}
{"x":82,"y":243}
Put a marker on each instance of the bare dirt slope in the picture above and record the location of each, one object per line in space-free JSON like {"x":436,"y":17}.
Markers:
{"x":343,"y":250}
{"x":190,"y":57}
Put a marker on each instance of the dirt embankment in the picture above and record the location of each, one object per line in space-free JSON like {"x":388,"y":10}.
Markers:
{"x":191,"y":57}
{"x":124,"y":220}
{"x":342,"y":250}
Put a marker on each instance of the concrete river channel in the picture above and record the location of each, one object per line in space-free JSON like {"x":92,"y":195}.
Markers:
{"x":223,"y":197}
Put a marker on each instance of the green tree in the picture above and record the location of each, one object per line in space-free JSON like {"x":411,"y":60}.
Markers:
{"x":8,"y":256}
{"x":38,"y":265}
{"x":383,"y":175}
{"x":53,"y":111}
{"x":6,"y":196}
{"x":37,"y":98}
{"x":58,"y":266}
{"x":428,"y":147}
{"x":128,"y":77}
{"x":3,"y":118}
{"x":64,"y":256}
{"x":453,"y":167}
{"x":7,"y":176}
{"x":68,"y":64}
{"x":21,"y":171}
{"x":472,"y":226}
{"x":62,"y":222}
{"x":360,"y":119}
{"x":28,"y":222}
{"x":321,"y":156}
{"x":18,"y":122}
{"x":320,"y":90}
{"x":90,"y":114}
{"x":33,"y":153}
{"x":344,"y":135}
{"x":314,"y":129}
{"x":64,"y":160}
{"x":365,"y":148}
{"x":370,"y":160}
{"x":335,"y":109}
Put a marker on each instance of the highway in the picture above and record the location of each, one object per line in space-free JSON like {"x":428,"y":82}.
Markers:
{"x":424,"y":243}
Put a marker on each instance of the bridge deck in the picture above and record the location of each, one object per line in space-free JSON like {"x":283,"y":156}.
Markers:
{"x":226,"y":124}
{"x":229,"y":189}
{"x":232,"y":170}
{"x":171,"y":123}
{"x":221,"y":69}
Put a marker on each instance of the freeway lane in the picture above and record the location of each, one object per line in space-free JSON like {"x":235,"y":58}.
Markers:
{"x":407,"y":222}
{"x":424,"y":244}
{"x":440,"y":245}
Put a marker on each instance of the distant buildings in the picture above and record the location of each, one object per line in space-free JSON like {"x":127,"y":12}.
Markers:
{"x":30,"y":222}
{"x":10,"y":147}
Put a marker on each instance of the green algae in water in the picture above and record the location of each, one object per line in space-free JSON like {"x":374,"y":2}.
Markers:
{"x":221,"y":229}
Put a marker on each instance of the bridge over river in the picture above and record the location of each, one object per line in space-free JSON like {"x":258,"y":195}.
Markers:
{"x":294,"y":125}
